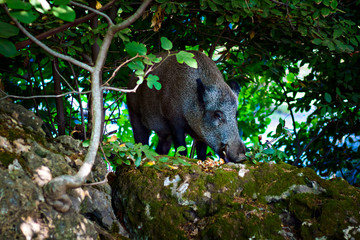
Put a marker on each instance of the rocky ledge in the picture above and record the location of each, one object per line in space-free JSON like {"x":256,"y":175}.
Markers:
{"x":235,"y":201}
{"x":28,"y":160}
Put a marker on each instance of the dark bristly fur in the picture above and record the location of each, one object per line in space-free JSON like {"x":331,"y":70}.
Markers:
{"x":191,"y":101}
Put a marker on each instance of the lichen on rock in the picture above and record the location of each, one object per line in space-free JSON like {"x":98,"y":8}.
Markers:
{"x":28,"y":160}
{"x":262,"y":201}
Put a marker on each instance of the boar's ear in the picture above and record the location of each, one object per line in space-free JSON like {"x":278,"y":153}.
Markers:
{"x":235,"y":87}
{"x":200,"y":92}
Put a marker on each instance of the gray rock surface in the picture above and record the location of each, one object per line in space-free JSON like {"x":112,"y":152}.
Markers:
{"x":28,"y":162}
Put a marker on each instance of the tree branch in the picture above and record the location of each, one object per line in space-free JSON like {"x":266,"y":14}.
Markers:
{"x":64,"y":27}
{"x":94,"y":11}
{"x":46,"y":48}
{"x":44,"y":96}
{"x":313,"y":139}
{"x":55,"y":190}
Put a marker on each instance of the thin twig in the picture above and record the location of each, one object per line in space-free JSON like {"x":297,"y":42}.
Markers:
{"x":63,"y":78}
{"x":120,"y":89}
{"x":98,"y":183}
{"x":79,"y":100}
{"x":313,"y":139}
{"x":63,"y":27}
{"x":93,"y":10}
{"x":118,"y":68}
{"x":43,"y":96}
{"x":46,"y":100}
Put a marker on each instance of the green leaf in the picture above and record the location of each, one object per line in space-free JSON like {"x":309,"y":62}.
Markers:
{"x":134,"y":48}
{"x":317,"y":1}
{"x":25,"y":16}
{"x":141,"y":80}
{"x":331,"y":45}
{"x":139,"y":72}
{"x":282,"y":122}
{"x":180,"y":149}
{"x":138,"y":161}
{"x":236,"y":17}
{"x":212,"y":6}
{"x":325,"y":12}
{"x":152,"y":80}
{"x":61,"y":2}
{"x":337,"y":32}
{"x":163,"y":159}
{"x":186,"y":57}
{"x":326,"y":2}
{"x":276,"y":12}
{"x":41,"y":6}
{"x":334,"y":4}
{"x":279,"y":129}
{"x":328,"y":97}
{"x":65,"y":13}
{"x":136,"y":65}
{"x":86,"y":143}
{"x":183,"y":162}
{"x":7,"y":48}
{"x":18,"y":4}
{"x":269,"y":151}
{"x":317,"y":41}
{"x":353,"y":41}
{"x":8,"y":30}
{"x":166,"y":44}
{"x":303,"y":30}
{"x":349,"y":22}
{"x":220,"y":20}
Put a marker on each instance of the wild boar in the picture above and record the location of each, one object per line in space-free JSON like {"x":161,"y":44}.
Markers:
{"x":191,"y":101}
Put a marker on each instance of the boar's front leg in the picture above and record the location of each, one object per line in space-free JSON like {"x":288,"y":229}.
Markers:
{"x":178,"y":136}
{"x":201,"y":148}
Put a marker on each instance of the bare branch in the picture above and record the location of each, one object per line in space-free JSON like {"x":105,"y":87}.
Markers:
{"x":63,"y":27}
{"x":93,"y":10}
{"x":44,"y":96}
{"x":133,"y":17}
{"x":118,"y":68}
{"x":55,"y":190}
{"x":46,"y":48}
{"x":121,"y":89}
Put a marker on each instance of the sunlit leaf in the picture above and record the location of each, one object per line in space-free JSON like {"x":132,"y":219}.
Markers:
{"x":65,"y":13}
{"x":25,"y":16}
{"x":134,"y":48}
{"x":166,"y":44}
{"x":269,"y":151}
{"x":41,"y":6}
{"x":186,"y":57}
{"x":152,"y":81}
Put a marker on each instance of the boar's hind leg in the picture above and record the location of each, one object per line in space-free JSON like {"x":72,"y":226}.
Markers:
{"x":141,"y":133}
{"x":201,"y":148}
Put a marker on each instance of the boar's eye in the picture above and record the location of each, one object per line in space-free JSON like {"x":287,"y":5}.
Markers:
{"x":218,"y":115}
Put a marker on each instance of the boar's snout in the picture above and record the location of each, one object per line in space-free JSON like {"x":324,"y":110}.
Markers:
{"x":234,"y":152}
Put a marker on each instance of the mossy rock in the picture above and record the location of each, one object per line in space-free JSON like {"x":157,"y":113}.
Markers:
{"x":235,"y":201}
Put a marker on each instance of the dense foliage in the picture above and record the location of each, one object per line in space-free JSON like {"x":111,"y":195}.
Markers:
{"x":261,"y":44}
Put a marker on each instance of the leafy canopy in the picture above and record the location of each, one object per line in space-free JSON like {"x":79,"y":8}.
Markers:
{"x":261,"y":44}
